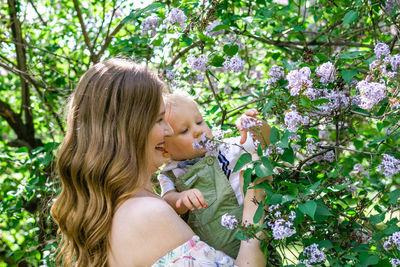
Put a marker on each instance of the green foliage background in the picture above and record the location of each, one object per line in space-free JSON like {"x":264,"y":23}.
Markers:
{"x":45,"y":46}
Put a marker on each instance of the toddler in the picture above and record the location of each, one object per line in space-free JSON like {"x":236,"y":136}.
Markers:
{"x":204,"y":185}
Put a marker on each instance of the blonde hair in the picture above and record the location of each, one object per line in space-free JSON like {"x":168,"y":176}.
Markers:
{"x":175,"y":98}
{"x":111,"y":113}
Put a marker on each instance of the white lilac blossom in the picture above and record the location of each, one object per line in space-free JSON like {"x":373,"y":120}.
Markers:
{"x":313,"y":255}
{"x":395,"y":262}
{"x":378,"y":65}
{"x":235,"y":64}
{"x":150,"y":24}
{"x":299,"y":80}
{"x":229,"y":221}
{"x":275,"y":74}
{"x":327,"y":72}
{"x":392,"y":242}
{"x":197,"y":63}
{"x":209,"y":29}
{"x":381,"y":50}
{"x":395,"y":62}
{"x":177,"y":16}
{"x":371,"y":93}
{"x":357,"y":168}
{"x":390,"y":166}
{"x":293,"y":119}
{"x":170,"y":74}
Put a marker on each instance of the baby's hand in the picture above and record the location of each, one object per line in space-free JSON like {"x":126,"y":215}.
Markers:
{"x":190,"y":198}
{"x":243,"y":131}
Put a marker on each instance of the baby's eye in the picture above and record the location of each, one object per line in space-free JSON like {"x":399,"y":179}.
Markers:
{"x":199,"y":123}
{"x":184,"y":131}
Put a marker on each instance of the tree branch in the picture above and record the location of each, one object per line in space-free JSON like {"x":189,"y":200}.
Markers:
{"x":183,"y":52}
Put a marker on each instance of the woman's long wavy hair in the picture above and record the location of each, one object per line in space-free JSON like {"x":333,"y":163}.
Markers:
{"x":110,"y":115}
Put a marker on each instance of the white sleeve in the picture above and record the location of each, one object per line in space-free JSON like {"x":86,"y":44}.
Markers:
{"x":165,"y":183}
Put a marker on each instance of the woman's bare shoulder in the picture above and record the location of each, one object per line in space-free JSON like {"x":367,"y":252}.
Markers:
{"x":145,"y":229}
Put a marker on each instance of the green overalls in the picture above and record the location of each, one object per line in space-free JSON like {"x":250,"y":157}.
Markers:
{"x":207,"y":176}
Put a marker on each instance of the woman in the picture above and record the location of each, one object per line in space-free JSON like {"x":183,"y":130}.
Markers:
{"x":107,"y":212}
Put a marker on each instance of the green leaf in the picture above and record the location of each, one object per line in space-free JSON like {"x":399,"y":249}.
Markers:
{"x":320,"y":101}
{"x":288,"y":198}
{"x":288,"y":155}
{"x":375,"y":219}
{"x":268,"y":106}
{"x":348,"y":75}
{"x":274,"y":136}
{"x":298,"y":28}
{"x":322,"y":210}
{"x":221,"y":27}
{"x":311,"y":190}
{"x":275,"y":199}
{"x":367,"y":259}
{"x":231,"y":50}
{"x":217,"y":61}
{"x":378,"y":140}
{"x":326,"y":244}
{"x":394,"y":196}
{"x":285,"y":139}
{"x":246,"y":179}
{"x":267,"y":164}
{"x":243,"y":160}
{"x":186,"y":40}
{"x":259,"y":212}
{"x":262,"y":171}
{"x":350,"y":17}
{"x":309,"y":208}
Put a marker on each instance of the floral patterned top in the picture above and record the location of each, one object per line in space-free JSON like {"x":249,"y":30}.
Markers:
{"x":195,"y":253}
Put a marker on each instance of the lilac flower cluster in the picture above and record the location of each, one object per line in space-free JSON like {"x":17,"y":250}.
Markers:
{"x":293,"y":119}
{"x":381,"y":50}
{"x":299,"y":80}
{"x":150,"y":24}
{"x":327,"y":72}
{"x":371,"y":93}
{"x":212,"y":146}
{"x":392,"y":242}
{"x":395,"y":262}
{"x":358,"y":168}
{"x":177,"y":16}
{"x":389,"y":5}
{"x":248,"y":122}
{"x":281,"y":2}
{"x":229,"y":221}
{"x":235,"y":64}
{"x":395,"y":62}
{"x":233,"y":40}
{"x":313,"y":255}
{"x":337,"y":101}
{"x":169,"y":74}
{"x":209,"y":29}
{"x":276,"y":73}
{"x":390,"y":166}
{"x":197,"y":63}
{"x":281,"y":226}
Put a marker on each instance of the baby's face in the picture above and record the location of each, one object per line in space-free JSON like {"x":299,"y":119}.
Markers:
{"x":188,"y":125}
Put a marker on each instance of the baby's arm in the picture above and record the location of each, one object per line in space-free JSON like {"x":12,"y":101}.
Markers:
{"x":183,"y":201}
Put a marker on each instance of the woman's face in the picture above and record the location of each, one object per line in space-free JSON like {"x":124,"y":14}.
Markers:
{"x":155,"y":143}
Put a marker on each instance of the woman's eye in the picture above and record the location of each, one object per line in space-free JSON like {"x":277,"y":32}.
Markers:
{"x":160,"y":120}
{"x":184,"y":131}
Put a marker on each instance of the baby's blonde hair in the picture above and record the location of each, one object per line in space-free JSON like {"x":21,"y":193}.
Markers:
{"x":175,"y":98}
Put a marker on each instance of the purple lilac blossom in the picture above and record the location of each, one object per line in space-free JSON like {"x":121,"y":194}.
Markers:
{"x":395,"y":62}
{"x":276,"y":73}
{"x":248,"y":122}
{"x":327,"y":72}
{"x":227,"y":89}
{"x":199,"y":78}
{"x":371,"y":93}
{"x":313,"y":254}
{"x":329,"y":156}
{"x":293,"y":119}
{"x":209,"y":29}
{"x":395,"y":262}
{"x":389,"y":5}
{"x":235,"y":64}
{"x":381,"y":50}
{"x":299,"y":80}
{"x":150,"y":24}
{"x":390,"y":166}
{"x":281,"y":229}
{"x":229,"y":221}
{"x":197,"y":63}
{"x":170,"y":74}
{"x":281,"y":2}
{"x":392,"y":242}
{"x":177,"y":16}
